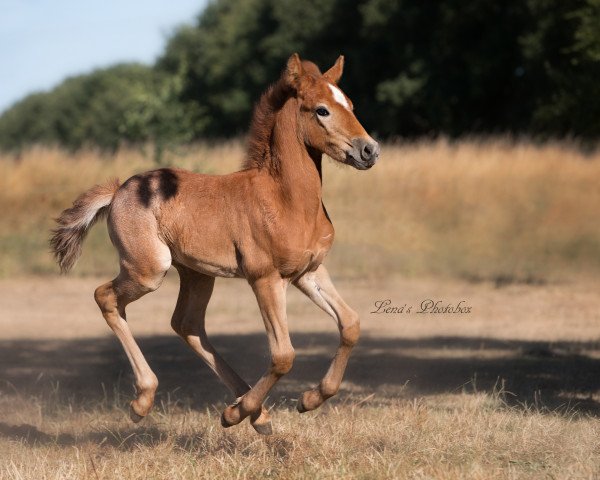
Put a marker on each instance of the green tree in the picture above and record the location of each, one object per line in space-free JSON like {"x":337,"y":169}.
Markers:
{"x":123,"y":104}
{"x":413,"y":68}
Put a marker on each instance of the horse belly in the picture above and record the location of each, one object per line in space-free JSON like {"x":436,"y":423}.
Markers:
{"x":210,"y":267}
{"x":206,"y":249}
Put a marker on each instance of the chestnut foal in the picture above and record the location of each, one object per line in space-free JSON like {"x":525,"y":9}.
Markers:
{"x":265,"y":223}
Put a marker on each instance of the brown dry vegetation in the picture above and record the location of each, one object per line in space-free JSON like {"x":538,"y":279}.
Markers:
{"x":477,"y":210}
{"x":508,"y":391}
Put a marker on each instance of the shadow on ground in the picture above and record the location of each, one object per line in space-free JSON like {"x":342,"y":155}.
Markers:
{"x":82,"y":371}
{"x":124,"y":439}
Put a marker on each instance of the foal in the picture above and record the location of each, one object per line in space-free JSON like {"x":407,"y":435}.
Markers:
{"x":265,"y":223}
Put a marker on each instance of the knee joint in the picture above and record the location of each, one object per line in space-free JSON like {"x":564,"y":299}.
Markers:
{"x":350,"y":332}
{"x":282,"y":362}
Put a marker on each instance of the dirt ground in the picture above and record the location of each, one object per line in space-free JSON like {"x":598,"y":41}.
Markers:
{"x":541,"y":343}
{"x":507,"y":390}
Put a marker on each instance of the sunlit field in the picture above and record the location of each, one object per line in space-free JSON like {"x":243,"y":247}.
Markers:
{"x":509,"y":390}
{"x":479,"y":210}
{"x":455,"y":436}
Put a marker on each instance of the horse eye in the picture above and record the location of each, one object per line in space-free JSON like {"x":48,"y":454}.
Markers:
{"x":322,"y":112}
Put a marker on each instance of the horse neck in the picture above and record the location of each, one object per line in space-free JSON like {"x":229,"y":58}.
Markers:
{"x":298,"y":171}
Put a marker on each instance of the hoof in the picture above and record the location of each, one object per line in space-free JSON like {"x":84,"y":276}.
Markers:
{"x":263,"y":428}
{"x":261,"y":422}
{"x":141,"y":406}
{"x":135,"y":417}
{"x":300,"y":406}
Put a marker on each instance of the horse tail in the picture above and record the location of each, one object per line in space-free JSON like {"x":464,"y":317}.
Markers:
{"x":75,"y":222}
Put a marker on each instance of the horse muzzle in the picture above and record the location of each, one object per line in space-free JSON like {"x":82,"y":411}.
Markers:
{"x":364,"y":153}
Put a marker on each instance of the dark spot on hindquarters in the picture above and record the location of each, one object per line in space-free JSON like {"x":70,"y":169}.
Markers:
{"x":142,"y":185}
{"x":163,"y":182}
{"x":144,"y":189}
{"x":168,"y":183}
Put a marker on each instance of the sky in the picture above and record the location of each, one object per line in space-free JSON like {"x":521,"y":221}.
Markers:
{"x":44,"y":41}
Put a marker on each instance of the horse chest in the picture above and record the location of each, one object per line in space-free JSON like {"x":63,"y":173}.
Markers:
{"x":301,"y":256}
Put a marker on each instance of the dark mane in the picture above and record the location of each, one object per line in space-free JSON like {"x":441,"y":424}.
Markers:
{"x":263,"y":120}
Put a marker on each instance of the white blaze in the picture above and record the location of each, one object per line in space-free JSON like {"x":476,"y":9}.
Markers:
{"x":339,"y":96}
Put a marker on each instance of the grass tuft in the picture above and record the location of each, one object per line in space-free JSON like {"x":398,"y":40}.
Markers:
{"x":450,"y":436}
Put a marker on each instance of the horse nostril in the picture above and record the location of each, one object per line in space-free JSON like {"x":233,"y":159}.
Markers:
{"x":370,"y":151}
{"x":366,"y":151}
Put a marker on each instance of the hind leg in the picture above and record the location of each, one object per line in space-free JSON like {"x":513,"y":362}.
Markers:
{"x":112,"y":298}
{"x":144,"y":260}
{"x":189,"y":322}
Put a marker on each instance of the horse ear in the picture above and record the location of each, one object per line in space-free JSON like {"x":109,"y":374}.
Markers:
{"x":293,"y":71}
{"x":335,"y":73}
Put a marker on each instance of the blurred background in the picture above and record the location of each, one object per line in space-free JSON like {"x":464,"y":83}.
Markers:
{"x":414,"y":68}
{"x":490,"y":114}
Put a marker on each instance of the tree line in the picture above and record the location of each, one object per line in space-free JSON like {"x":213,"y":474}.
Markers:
{"x":413,"y":68}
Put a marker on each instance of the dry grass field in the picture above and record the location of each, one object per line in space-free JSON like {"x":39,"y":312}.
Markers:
{"x":509,"y":390}
{"x":478,"y":210}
